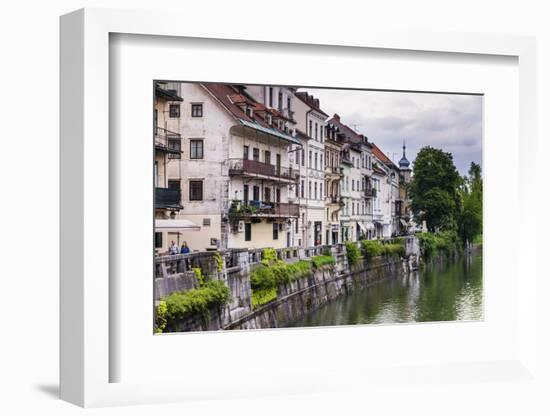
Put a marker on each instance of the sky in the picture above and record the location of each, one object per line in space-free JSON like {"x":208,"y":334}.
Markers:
{"x":449,"y":122}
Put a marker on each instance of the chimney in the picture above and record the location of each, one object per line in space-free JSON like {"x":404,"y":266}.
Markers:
{"x":336,"y":117}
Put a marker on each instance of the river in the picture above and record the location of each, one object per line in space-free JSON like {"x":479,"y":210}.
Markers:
{"x":449,"y":292}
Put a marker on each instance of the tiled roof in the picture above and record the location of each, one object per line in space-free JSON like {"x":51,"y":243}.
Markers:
{"x":380,"y":155}
{"x":234,"y":99}
{"x":310,"y":101}
{"x":351,"y":136}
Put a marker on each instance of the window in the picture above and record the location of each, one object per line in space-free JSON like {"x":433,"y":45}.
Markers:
{"x":316,"y":131}
{"x":256,"y":154}
{"x":196,"y":110}
{"x":320,"y":191}
{"x":321,"y":161}
{"x":158,"y":240}
{"x":315,"y":190}
{"x":302,"y":189}
{"x":309,"y":193}
{"x":195,"y":190}
{"x":280,"y":103}
{"x":275,"y":231}
{"x":196,"y":151}
{"x":321,"y":134}
{"x":206,"y":222}
{"x":303,"y":157}
{"x":267,"y":194}
{"x":310,"y":128}
{"x":247,"y":231}
{"x":174,"y":110}
{"x":288,"y":105}
{"x":310,"y":164}
{"x":245,"y":152}
{"x":315,"y":160}
{"x":296,"y":224}
{"x":174,"y":144}
{"x":174,"y":184}
{"x":267,"y":157}
{"x":271,"y":97}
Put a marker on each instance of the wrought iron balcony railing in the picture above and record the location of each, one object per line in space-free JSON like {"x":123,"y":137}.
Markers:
{"x":168,"y":198}
{"x":169,"y":142}
{"x":243,"y":209}
{"x":244,"y":167}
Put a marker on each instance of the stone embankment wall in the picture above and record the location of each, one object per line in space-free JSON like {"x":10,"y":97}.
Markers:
{"x":303,"y":296}
{"x":294,"y":300}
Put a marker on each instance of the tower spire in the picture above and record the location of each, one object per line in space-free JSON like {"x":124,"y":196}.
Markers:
{"x":404,"y":162}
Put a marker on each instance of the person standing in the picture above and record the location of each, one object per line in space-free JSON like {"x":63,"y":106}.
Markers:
{"x":173,"y":248}
{"x":185,"y":248}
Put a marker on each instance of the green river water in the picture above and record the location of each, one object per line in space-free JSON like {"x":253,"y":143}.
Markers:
{"x":448,"y":292}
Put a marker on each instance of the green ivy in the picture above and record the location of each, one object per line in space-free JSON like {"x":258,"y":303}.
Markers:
{"x":161,"y":320}
{"x":199,"y":275}
{"x":261,"y":297}
{"x":322,"y":260}
{"x":219,"y":260}
{"x":353,"y":253}
{"x":182,"y":305}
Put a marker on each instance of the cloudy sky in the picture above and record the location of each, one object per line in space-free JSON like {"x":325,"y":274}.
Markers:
{"x":449,"y":122}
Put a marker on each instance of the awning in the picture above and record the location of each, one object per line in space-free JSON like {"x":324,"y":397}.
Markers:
{"x":403,"y":222}
{"x":362,"y":226}
{"x":370,"y":226}
{"x":270,"y":131}
{"x":175,"y":225}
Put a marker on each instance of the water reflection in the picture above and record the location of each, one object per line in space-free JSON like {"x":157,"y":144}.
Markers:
{"x":448,"y":292}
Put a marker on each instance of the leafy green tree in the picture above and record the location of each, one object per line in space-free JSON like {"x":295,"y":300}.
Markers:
{"x":434,"y":189}
{"x":471,"y":215}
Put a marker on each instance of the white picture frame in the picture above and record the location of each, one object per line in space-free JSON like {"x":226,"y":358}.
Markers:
{"x":85,"y":212}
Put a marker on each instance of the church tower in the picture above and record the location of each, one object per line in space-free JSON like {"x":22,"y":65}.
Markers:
{"x":404,"y":166}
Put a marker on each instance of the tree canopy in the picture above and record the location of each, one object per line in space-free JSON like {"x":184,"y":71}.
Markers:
{"x":434,"y":189}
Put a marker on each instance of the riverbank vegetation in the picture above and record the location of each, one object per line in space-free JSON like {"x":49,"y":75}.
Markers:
{"x":272,"y":273}
{"x":375,"y":248}
{"x":450,"y":205}
{"x":199,"y":301}
{"x":353,"y":253}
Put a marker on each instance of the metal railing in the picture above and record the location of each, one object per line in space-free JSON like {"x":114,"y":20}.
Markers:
{"x":167,"y":198}
{"x":168,"y":141}
{"x":255,"y":167}
{"x":370,"y":192}
{"x":263,"y":209}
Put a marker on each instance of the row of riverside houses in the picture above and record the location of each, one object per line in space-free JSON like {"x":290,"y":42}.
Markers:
{"x":241,"y":166}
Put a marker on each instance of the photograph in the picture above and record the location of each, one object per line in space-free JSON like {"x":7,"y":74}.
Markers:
{"x":299,"y":206}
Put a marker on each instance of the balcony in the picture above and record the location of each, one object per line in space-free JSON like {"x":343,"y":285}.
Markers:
{"x":370,"y":193}
{"x":334,"y":171}
{"x":167,"y":198}
{"x":262,"y":170}
{"x":263,"y":209}
{"x":337,"y":200}
{"x":169,"y":142}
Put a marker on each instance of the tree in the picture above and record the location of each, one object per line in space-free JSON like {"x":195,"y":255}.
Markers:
{"x":434,"y":189}
{"x":471,"y":215}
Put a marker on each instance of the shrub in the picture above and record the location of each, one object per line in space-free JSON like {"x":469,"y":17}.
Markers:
{"x":201,"y":278}
{"x":181,"y":305}
{"x":265,"y":279}
{"x":445,"y":241}
{"x":352,"y":253}
{"x":161,"y":320}
{"x":219,"y":261}
{"x":394,"y":250}
{"x":261,"y":297}
{"x":269,"y":256}
{"x":371,"y":248}
{"x":322,"y":260}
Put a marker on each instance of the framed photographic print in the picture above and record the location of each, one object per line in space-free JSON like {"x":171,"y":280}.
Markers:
{"x":230,"y":203}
